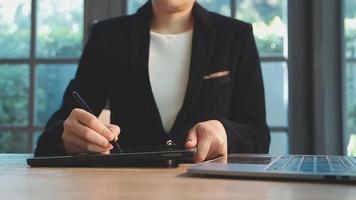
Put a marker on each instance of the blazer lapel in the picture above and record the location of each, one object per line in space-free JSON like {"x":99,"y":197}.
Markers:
{"x":139,"y":41}
{"x":203,"y":42}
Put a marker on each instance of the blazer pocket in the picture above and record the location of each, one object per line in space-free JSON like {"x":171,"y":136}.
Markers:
{"x":219,"y":77}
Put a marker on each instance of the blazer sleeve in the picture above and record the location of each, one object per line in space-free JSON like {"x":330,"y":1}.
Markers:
{"x":246,"y":126}
{"x":89,"y":82}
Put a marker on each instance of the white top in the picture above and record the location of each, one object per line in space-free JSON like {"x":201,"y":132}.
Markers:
{"x":169,"y":64}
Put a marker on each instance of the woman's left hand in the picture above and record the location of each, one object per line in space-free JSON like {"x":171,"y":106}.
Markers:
{"x":210,"y":139}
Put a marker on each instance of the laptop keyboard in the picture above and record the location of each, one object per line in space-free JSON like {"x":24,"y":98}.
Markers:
{"x":314,"y":164}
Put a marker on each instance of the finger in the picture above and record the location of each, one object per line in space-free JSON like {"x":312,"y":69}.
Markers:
{"x":213,"y":153}
{"x":85,"y":146}
{"x":88,"y":147}
{"x":115,"y":130}
{"x":106,"y":152}
{"x":204,"y":143}
{"x":94,"y":123}
{"x":88,"y":134}
{"x":202,"y":150}
{"x":70,"y":148}
{"x":191,"y":138}
{"x":218,"y":148}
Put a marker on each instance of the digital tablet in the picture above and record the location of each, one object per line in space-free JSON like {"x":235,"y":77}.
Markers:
{"x":133,"y":157}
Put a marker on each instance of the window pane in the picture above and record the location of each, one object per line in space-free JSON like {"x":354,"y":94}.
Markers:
{"x":133,"y":5}
{"x":15,"y":22}
{"x":221,"y":6}
{"x":59,"y":28}
{"x":350,"y":52}
{"x":351,"y":148}
{"x":14,"y":91}
{"x":13,"y":142}
{"x":351,"y":97}
{"x":269,"y":22}
{"x":350,"y":28}
{"x":275,"y":76}
{"x":51,"y":81}
{"x":279,"y":143}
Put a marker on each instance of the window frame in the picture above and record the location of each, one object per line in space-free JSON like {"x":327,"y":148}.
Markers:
{"x":93,"y":11}
{"x":33,"y":61}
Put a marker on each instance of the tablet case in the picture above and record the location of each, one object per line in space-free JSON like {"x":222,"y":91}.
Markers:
{"x":165,"y":158}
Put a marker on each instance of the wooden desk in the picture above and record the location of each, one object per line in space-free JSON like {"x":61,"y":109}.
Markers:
{"x":18,"y":181}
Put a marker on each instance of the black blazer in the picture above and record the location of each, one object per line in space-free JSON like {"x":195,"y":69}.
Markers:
{"x":114,"y":69}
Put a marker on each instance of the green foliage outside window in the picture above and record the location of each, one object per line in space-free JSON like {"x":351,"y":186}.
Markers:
{"x":350,"y":28}
{"x":350,"y":52}
{"x":15,"y":29}
{"x":60,"y":29}
{"x":268,"y":18}
{"x":13,"y":142}
{"x":59,"y":35}
{"x":14,"y":91}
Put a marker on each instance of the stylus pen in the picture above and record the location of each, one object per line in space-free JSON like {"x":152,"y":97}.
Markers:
{"x":85,"y":107}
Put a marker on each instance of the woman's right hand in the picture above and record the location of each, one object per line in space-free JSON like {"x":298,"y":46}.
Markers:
{"x":85,"y":133}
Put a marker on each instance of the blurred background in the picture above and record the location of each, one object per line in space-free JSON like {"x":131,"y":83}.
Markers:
{"x":307,"y":49}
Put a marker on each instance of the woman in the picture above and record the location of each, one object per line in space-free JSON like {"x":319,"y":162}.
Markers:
{"x":172,"y":71}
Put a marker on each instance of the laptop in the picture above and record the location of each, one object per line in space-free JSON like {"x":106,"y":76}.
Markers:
{"x":287,"y":167}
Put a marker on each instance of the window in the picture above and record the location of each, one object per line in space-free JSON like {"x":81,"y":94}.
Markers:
{"x":41,"y":41}
{"x":350,"y":75}
{"x":269,"y":20}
